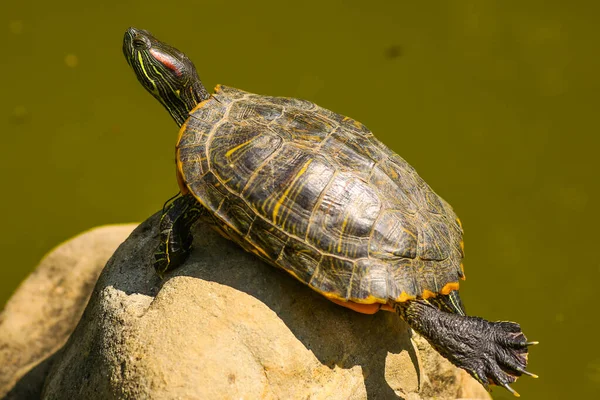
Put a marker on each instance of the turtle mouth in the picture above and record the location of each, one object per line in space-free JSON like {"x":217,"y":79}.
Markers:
{"x":128,"y":49}
{"x":135,"y":44}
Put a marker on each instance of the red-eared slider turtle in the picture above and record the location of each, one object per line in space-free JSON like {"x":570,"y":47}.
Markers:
{"x":316,"y":194}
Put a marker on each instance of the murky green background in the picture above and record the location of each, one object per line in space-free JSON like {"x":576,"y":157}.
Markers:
{"x":494,"y":102}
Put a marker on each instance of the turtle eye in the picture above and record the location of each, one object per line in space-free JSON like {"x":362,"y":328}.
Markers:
{"x":140,"y":42}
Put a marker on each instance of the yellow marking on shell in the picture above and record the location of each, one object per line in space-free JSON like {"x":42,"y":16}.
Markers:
{"x":344,"y":223}
{"x":331,"y":295}
{"x":392,"y":173}
{"x":181,"y":181}
{"x":462,"y":245}
{"x":259,"y":252}
{"x":448,"y":287}
{"x":404,"y":297}
{"x":292,"y":273}
{"x":198,"y":106}
{"x":308,"y":138}
{"x":236,"y":148}
{"x":180,"y":175}
{"x":370,"y":299}
{"x":361,"y":308}
{"x":410,"y":233}
{"x":287,"y":191}
{"x":295,"y":195}
{"x":459,"y":223}
{"x":221,"y":232}
{"x":428,"y":293}
{"x":179,"y":165}
{"x":462,"y":268}
{"x":354,"y":122}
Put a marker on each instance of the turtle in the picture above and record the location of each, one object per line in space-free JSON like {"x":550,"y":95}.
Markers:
{"x":316,"y":194}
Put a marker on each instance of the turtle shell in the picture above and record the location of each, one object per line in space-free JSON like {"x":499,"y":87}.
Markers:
{"x":315,"y":193}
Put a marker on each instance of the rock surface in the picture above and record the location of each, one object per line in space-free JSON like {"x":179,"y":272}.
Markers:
{"x":227,"y":326}
{"x":40,"y":316}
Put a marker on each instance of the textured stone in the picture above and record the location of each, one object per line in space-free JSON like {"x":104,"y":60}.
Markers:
{"x":227,"y":326}
{"x":40,"y":316}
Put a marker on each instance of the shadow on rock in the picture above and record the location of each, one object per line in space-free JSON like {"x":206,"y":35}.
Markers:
{"x":335,"y":335}
{"x":226,"y":324}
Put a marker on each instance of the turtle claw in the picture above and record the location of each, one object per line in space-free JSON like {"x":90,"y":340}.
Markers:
{"x":520,"y":342}
{"x":525,"y":372}
{"x":502,"y":354}
{"x":513,"y":391}
{"x":494,"y":353}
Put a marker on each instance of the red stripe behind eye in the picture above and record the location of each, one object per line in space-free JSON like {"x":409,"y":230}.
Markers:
{"x":166,"y":61}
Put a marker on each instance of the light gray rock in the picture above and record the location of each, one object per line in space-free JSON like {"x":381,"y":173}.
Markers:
{"x":40,"y":316}
{"x":227,"y":326}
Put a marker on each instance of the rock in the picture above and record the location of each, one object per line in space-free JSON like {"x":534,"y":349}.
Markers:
{"x":226,"y":325}
{"x":40,"y":316}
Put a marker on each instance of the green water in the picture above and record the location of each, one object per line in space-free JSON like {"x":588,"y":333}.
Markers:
{"x":494,"y":103}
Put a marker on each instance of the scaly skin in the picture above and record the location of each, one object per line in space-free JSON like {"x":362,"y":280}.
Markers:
{"x":492,"y":352}
{"x":175,"y":232}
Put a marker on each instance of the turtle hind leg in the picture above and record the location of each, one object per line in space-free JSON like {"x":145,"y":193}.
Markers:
{"x":448,"y":302}
{"x":176,"y":238}
{"x":492,"y":352}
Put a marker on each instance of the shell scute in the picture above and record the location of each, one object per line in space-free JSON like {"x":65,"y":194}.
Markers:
{"x":263,"y":113}
{"x":267,"y":237}
{"x":370,"y":280}
{"x":341,"y":224}
{"x":394,"y":236}
{"x":299,"y":259}
{"x":434,"y":244}
{"x":333,"y":276}
{"x":281,"y":191}
{"x":347,"y":156}
{"x":237,"y":152}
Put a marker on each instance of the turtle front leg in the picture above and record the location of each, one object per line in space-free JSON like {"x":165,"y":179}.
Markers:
{"x":175,"y":232}
{"x":492,"y":352}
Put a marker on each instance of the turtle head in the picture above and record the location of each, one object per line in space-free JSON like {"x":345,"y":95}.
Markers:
{"x":165,"y":72}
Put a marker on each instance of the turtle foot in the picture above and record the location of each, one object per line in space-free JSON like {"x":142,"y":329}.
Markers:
{"x":501,"y":355}
{"x":175,"y":237}
{"x":492,"y":352}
